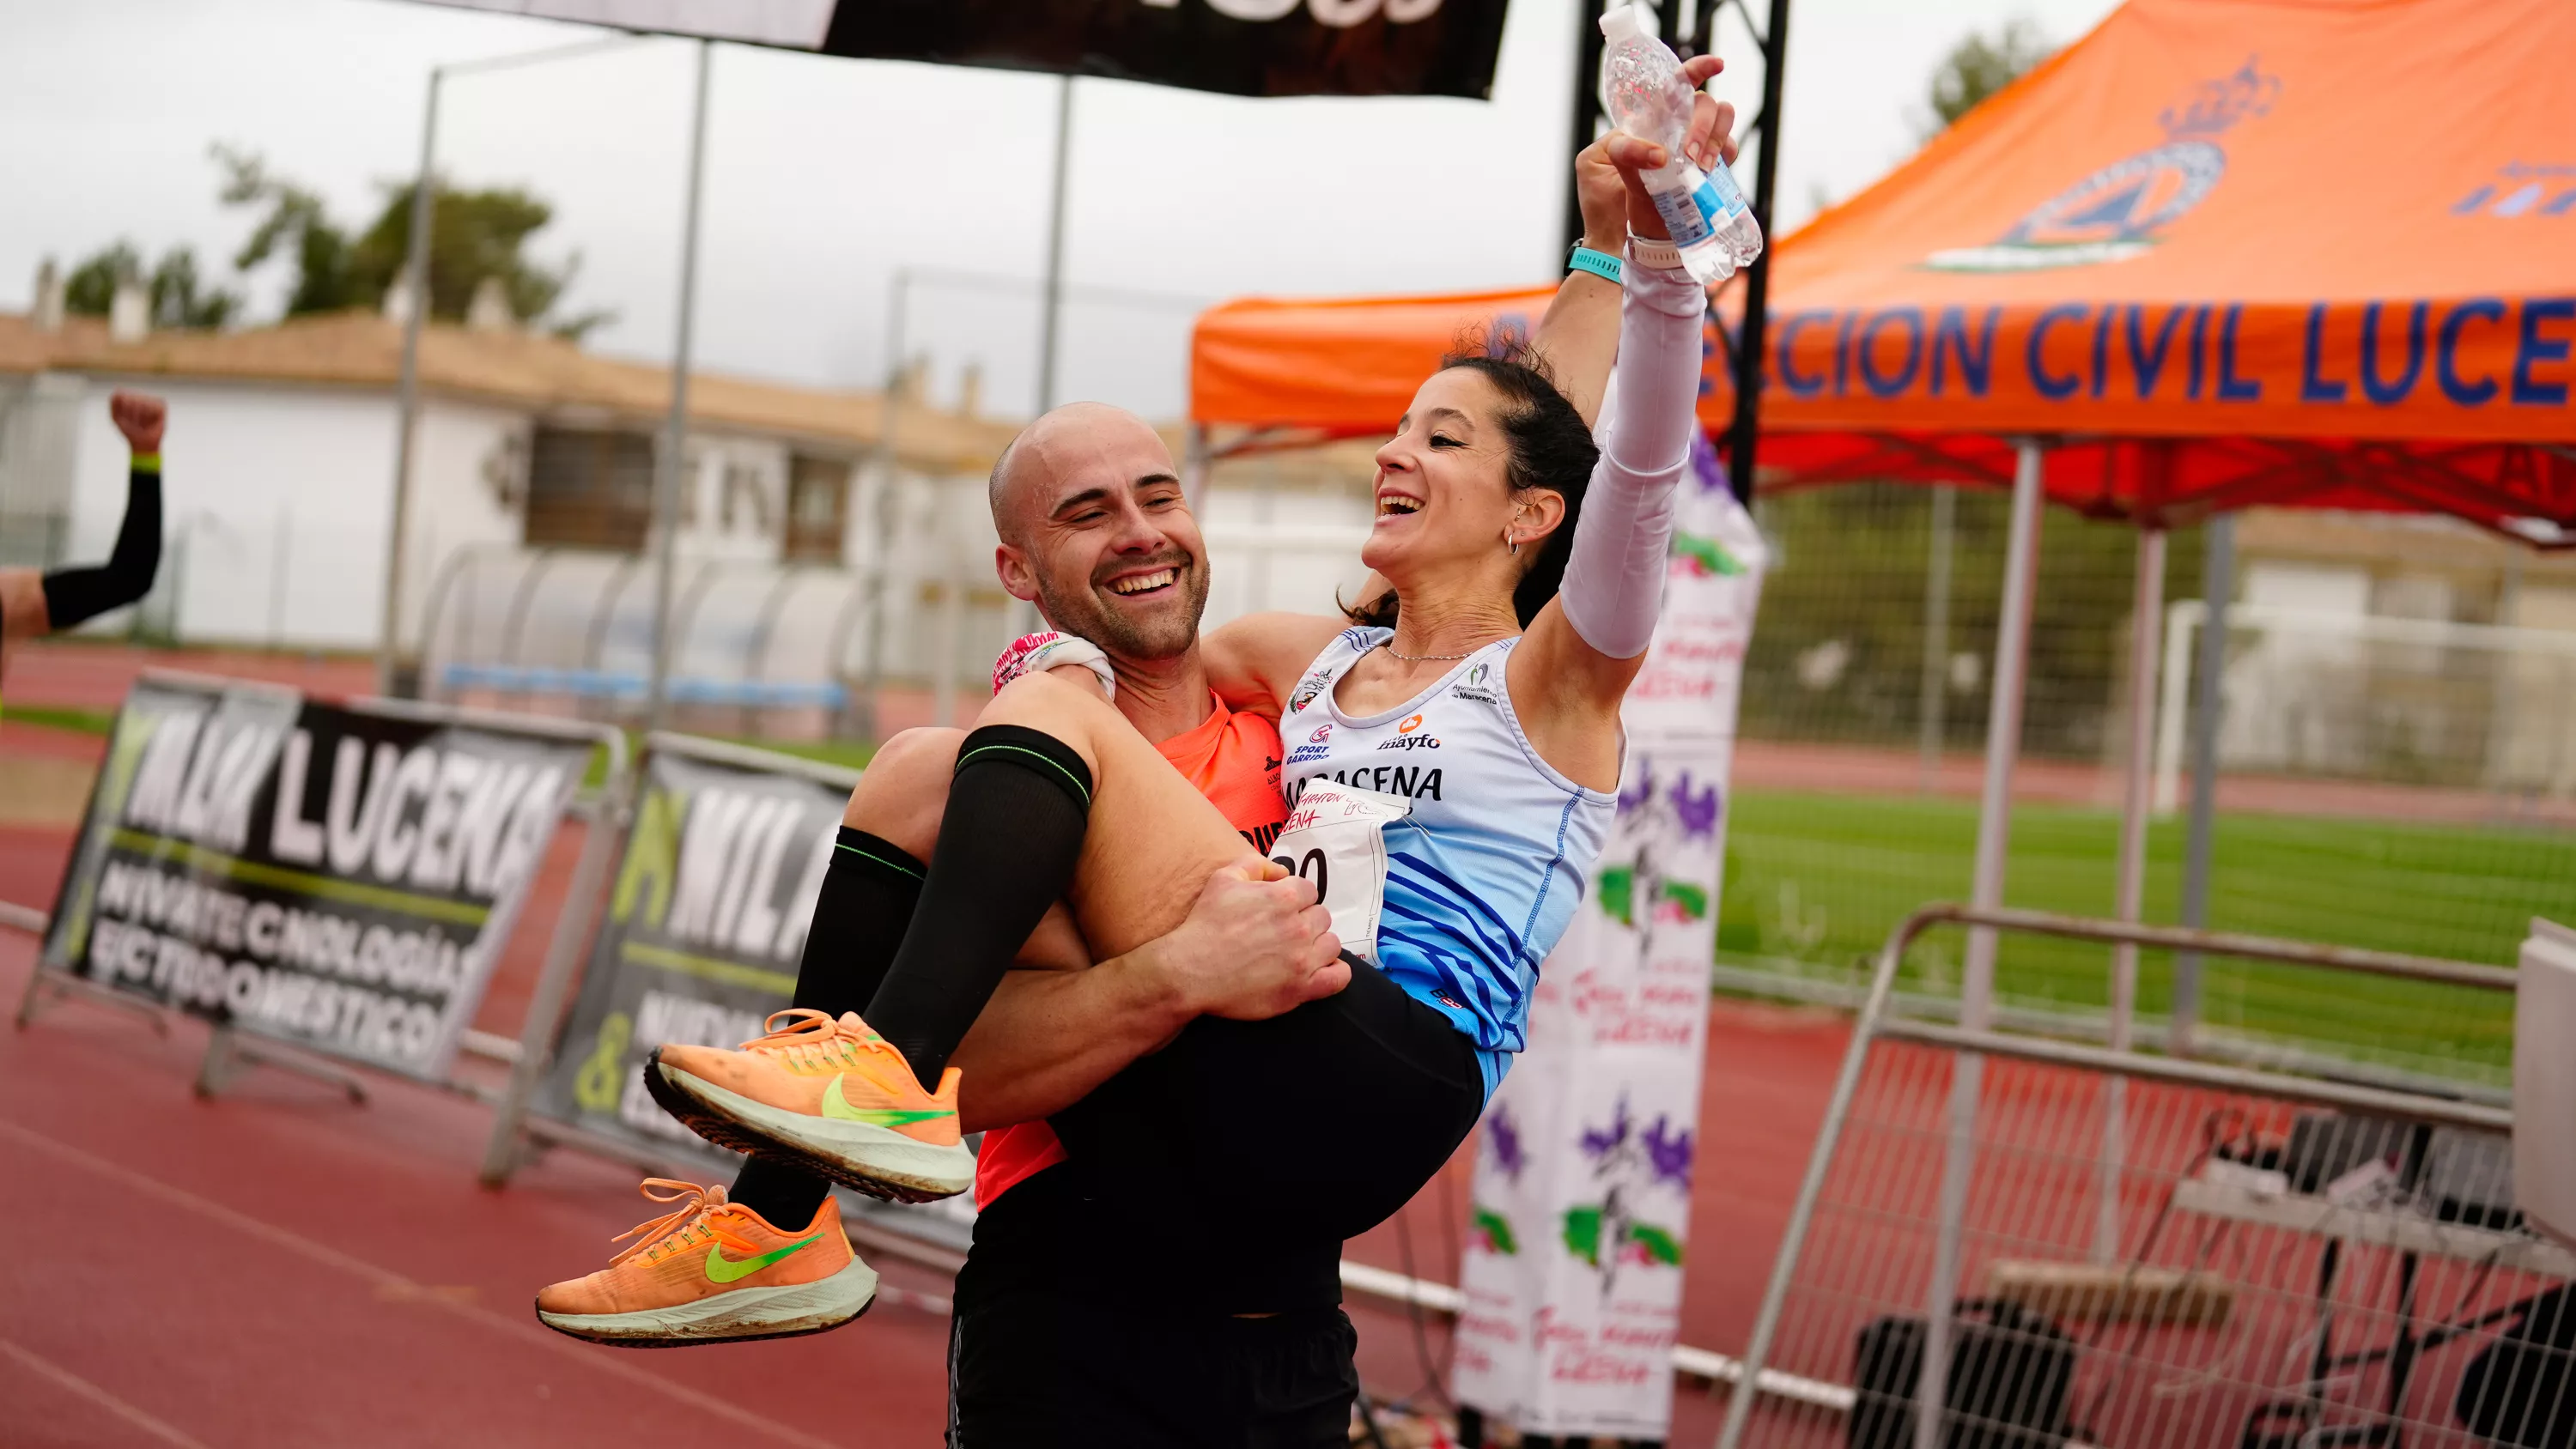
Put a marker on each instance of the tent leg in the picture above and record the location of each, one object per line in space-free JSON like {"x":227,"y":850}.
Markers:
{"x":1977,"y":991}
{"x":2217,"y":587}
{"x":2146,"y":624}
{"x":2003,"y":729}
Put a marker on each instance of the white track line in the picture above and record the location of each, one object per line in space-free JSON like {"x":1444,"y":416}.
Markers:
{"x":75,"y":1384}
{"x":384,"y":1278}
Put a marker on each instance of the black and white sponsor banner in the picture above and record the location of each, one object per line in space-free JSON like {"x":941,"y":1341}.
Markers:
{"x":319,"y":875}
{"x":700,"y":941}
{"x":1238,"y":47}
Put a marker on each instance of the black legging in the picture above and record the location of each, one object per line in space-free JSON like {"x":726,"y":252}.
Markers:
{"x":1316,"y":1125}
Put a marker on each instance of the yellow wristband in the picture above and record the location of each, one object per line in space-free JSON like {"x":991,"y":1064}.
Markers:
{"x":147,"y":463}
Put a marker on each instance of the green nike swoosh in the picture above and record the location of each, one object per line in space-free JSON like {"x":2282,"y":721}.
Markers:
{"x":838,"y":1107}
{"x":721,"y":1269}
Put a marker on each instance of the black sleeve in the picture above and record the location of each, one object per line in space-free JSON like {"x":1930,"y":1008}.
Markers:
{"x":76,"y":595}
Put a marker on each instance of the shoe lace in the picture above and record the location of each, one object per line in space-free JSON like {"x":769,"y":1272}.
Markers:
{"x":702,"y":1216}
{"x":810,"y":1037}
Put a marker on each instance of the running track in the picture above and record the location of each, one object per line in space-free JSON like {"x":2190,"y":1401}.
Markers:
{"x":279,"y":1268}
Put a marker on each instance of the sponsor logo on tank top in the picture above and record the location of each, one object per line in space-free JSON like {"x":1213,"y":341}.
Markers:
{"x":1409,"y":736}
{"x":1309,"y":688}
{"x":1260,"y":837}
{"x":1318,"y":745}
{"x":1473,"y":686}
{"x":1411,"y":781}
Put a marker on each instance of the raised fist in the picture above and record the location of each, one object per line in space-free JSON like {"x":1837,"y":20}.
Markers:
{"x":139,"y":416}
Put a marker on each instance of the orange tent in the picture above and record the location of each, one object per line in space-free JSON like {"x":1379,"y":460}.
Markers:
{"x":2217,"y":253}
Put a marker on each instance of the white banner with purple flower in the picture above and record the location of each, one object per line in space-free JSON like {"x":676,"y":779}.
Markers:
{"x":1581,"y":1217}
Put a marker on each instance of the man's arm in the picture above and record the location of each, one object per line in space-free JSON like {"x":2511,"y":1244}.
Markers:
{"x":72,"y":596}
{"x":1254,"y":946}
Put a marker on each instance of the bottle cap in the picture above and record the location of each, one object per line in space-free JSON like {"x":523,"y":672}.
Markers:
{"x":1619,"y":23}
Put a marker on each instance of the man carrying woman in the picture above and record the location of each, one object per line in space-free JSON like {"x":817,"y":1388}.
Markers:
{"x":1525,"y":568}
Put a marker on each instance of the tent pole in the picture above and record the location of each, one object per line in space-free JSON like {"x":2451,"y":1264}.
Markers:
{"x":888,"y":500}
{"x":675,"y":440}
{"x":2003,"y":728}
{"x":2146,"y":645}
{"x":1977,"y":989}
{"x":2217,"y":589}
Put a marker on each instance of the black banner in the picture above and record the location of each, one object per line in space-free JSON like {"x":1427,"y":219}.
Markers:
{"x":336,"y":879}
{"x":1237,"y":47}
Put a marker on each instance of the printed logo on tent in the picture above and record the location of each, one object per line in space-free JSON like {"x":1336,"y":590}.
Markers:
{"x":2122,"y":210}
{"x":2521,"y":188}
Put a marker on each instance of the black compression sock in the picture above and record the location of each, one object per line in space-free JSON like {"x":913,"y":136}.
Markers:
{"x":869,"y":891}
{"x":1007,"y":847}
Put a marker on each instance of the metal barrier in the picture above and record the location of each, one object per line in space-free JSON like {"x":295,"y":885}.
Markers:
{"x":2008,"y":1243}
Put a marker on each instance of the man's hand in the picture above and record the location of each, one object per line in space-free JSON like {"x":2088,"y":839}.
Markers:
{"x":1255,"y":945}
{"x":139,"y":416}
{"x":1604,"y":174}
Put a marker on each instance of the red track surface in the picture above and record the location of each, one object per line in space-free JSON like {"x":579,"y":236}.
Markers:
{"x":279,"y":1268}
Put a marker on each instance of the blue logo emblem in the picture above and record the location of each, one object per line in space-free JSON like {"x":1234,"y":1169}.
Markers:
{"x":2118,"y":212}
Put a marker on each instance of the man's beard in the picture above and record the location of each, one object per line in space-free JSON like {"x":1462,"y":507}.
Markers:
{"x":1171,"y":631}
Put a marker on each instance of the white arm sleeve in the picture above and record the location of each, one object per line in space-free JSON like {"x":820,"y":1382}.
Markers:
{"x":1614,"y":578}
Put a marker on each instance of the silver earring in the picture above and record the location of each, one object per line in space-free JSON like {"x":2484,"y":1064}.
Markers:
{"x":1511,"y":543}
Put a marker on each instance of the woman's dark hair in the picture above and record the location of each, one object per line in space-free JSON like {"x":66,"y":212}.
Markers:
{"x":1547,"y":446}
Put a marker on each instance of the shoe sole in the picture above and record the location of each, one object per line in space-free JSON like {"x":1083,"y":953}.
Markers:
{"x":878,"y":1161}
{"x":740,"y":1316}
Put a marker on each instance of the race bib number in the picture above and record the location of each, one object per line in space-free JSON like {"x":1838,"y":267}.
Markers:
{"x":1332,"y":837}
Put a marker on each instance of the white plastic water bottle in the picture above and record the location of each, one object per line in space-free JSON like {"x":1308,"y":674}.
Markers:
{"x":1705,"y":212}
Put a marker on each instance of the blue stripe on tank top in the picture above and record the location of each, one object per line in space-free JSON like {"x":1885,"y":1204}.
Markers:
{"x":1437,"y":912}
{"x":1467,"y":897}
{"x":1478,"y":987}
{"x":1436,"y":909}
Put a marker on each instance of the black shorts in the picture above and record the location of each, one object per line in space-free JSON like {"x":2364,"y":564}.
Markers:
{"x":1316,"y":1125}
{"x":1036,"y":1368}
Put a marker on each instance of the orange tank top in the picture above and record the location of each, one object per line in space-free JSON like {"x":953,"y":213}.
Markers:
{"x":1233,"y":759}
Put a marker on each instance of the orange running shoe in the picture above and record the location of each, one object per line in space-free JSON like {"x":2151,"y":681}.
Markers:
{"x":833,"y":1097}
{"x":712,"y":1271}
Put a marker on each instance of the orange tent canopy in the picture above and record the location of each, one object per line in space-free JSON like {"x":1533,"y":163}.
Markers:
{"x":2217,"y":253}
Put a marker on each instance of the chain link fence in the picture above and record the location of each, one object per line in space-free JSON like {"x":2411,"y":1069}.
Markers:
{"x":2397,"y":762}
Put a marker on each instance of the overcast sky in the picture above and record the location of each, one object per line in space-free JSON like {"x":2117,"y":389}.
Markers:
{"x":826,"y":176}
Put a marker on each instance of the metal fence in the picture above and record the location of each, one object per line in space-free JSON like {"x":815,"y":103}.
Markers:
{"x":2399,"y":783}
{"x":2009,"y":1243}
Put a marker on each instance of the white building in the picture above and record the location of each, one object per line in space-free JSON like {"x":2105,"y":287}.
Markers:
{"x":533,"y":464}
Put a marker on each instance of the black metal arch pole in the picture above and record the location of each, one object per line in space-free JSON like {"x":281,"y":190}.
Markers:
{"x":1773,"y":36}
{"x":1757,"y":280}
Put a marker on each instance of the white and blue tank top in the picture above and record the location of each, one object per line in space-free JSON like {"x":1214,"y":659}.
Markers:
{"x":1484,"y":874}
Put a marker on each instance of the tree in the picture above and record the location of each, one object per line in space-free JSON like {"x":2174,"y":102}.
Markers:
{"x":1979,"y":66}
{"x":472,"y":235}
{"x":178,"y":298}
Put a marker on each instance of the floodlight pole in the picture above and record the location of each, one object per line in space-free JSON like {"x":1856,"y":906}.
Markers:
{"x":1051,"y":306}
{"x":415,"y":279}
{"x":669,"y":469}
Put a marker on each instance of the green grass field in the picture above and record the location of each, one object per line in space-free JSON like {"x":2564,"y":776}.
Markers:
{"x":1816,"y":882}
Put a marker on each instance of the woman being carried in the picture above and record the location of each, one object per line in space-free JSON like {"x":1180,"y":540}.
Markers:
{"x":1475,"y":709}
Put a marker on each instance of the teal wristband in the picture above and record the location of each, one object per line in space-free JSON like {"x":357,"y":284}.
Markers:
{"x":1599,"y":264}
